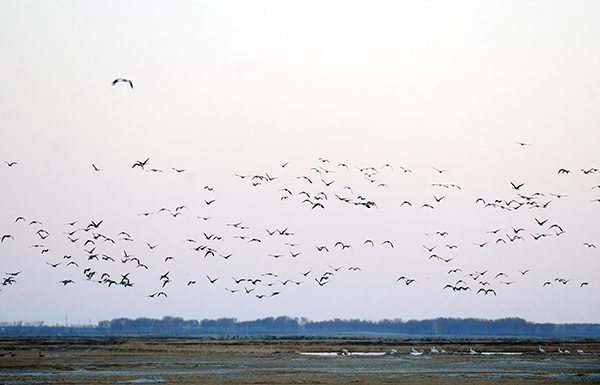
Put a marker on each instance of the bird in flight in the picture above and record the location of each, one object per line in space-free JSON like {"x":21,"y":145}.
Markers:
{"x":141,"y":164}
{"x":211,"y":280}
{"x":121,"y":80}
{"x":6,"y":236}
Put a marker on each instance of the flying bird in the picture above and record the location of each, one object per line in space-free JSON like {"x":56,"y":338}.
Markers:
{"x":6,"y":236}
{"x":121,"y":80}
{"x":211,"y":280}
{"x":141,"y":164}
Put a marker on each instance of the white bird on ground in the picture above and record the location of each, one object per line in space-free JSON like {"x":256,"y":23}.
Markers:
{"x":434,"y":350}
{"x":472,"y":351}
{"x":541,"y":350}
{"x":579,"y":351}
{"x":415,"y":352}
{"x":120,"y":80}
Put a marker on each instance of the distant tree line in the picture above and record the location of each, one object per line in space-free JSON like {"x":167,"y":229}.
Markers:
{"x":176,"y":326}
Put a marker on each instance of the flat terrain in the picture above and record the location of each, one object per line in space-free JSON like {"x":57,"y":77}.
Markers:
{"x":108,"y":360}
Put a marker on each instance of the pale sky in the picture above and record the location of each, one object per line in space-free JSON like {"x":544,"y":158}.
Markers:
{"x":224,"y":88}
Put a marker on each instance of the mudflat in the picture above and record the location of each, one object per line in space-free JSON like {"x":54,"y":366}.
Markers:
{"x":297,"y":360}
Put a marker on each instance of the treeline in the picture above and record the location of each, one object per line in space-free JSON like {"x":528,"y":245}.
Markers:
{"x":176,"y":327}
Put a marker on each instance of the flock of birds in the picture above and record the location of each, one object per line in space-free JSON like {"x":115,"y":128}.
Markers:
{"x":97,"y":252}
{"x":90,"y":251}
{"x":433,"y":350}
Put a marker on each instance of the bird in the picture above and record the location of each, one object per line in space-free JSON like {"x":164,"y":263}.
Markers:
{"x":122,"y":80}
{"x":438,"y":200}
{"x":10,"y":164}
{"x":541,"y":350}
{"x":6,"y":236}
{"x":415,"y":352}
{"x":141,"y":164}
{"x":211,"y":280}
{"x":388,"y":242}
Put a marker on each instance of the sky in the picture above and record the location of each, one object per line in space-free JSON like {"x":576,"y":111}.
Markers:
{"x":326,"y":122}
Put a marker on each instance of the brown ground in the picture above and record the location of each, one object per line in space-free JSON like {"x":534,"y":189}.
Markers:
{"x":107,"y":360}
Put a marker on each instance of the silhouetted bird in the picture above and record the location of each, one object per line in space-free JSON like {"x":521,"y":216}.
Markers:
{"x":121,"y":80}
